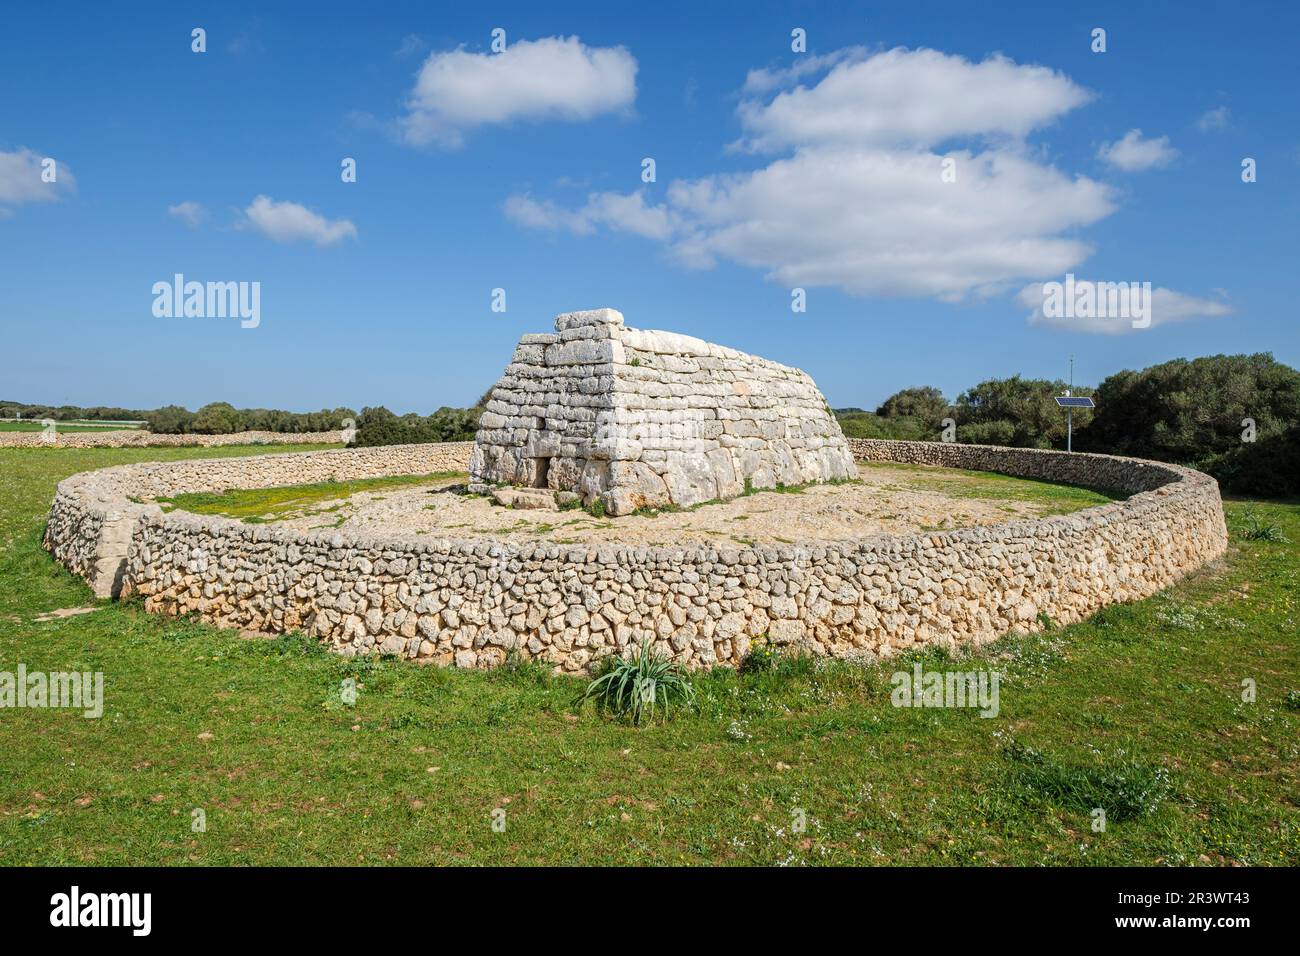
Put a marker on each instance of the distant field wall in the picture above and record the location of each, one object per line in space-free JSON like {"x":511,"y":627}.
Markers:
{"x":473,"y":602}
{"x":137,"y":438}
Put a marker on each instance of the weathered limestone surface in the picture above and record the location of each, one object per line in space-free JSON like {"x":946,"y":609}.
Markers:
{"x":470,"y":603}
{"x":138,"y":438}
{"x":636,"y":418}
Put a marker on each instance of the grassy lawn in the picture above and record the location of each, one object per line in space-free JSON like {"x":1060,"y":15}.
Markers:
{"x":1053,"y":498}
{"x":1138,"y":710}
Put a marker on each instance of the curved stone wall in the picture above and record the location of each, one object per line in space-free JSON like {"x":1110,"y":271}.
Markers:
{"x":472,"y":602}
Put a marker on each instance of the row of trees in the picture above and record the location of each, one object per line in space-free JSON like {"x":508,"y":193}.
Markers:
{"x":1236,"y":417}
{"x":67,"y":413}
{"x":216,"y":418}
{"x":379,"y":426}
{"x":220,"y":418}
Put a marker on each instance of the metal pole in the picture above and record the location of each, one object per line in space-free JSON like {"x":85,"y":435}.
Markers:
{"x":1069,"y":414}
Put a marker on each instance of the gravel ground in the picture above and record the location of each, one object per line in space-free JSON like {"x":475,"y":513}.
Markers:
{"x":886,"y":501}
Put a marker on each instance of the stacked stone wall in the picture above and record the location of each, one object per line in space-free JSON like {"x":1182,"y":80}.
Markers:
{"x":637,"y":418}
{"x":471,"y":603}
{"x":139,"y":438}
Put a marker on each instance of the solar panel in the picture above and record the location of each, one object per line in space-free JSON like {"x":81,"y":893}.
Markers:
{"x":1074,"y":401}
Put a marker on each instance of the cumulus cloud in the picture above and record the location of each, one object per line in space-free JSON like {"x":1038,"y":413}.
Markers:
{"x":22,"y":179}
{"x":1132,"y":153}
{"x":1167,"y":307}
{"x":189,"y":212}
{"x":911,"y":98}
{"x":615,"y":211}
{"x":1217,"y":118}
{"x":291,"y":222}
{"x":553,"y":78}
{"x":861,"y":202}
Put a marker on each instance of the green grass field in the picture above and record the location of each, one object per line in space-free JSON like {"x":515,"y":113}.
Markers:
{"x":1138,"y":710}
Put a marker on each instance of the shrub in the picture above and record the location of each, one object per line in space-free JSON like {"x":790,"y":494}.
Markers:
{"x":170,"y":420}
{"x":217,"y":418}
{"x":634,"y":687}
{"x":926,"y":403}
{"x":761,"y":657}
{"x":1016,"y":411}
{"x":379,"y":426}
{"x":856,"y":423}
{"x":1191,"y":412}
{"x":1255,"y":528}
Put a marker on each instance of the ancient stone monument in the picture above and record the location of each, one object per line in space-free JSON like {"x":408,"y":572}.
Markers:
{"x":633,"y":418}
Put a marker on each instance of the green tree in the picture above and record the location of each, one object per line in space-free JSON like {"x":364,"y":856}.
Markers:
{"x":1195,"y":413}
{"x":926,"y":403}
{"x":1016,"y":411}
{"x":169,"y":420}
{"x":217,"y":418}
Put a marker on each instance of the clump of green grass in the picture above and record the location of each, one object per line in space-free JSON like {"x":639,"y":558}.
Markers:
{"x":1122,"y":785}
{"x":637,"y":687}
{"x":262,"y":505}
{"x":763,"y":656}
{"x":1255,"y":528}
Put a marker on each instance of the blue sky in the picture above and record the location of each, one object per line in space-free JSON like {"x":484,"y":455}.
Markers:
{"x":774,"y":169}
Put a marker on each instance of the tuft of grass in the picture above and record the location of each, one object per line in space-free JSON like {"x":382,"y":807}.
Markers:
{"x":1252,"y":527}
{"x":638,"y":687}
{"x":1122,"y":785}
{"x":763,"y":656}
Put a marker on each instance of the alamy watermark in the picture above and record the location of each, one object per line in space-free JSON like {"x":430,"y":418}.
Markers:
{"x":919,"y":688}
{"x":208,"y":300}
{"x":1082,"y":299}
{"x":75,"y":908}
{"x":77,"y":690}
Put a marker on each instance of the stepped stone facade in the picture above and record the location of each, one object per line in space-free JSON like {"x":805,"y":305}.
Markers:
{"x":635,"y":418}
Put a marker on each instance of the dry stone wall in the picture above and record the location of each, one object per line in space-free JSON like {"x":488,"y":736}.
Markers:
{"x":635,"y":418}
{"x":95,"y":512}
{"x":470,"y":603}
{"x":139,"y":438}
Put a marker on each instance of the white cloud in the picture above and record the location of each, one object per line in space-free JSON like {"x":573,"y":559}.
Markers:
{"x":550,"y":78}
{"x":189,"y":212}
{"x":21,"y":179}
{"x":859,"y":205}
{"x":411,"y":44}
{"x":1167,"y":307}
{"x":1132,"y":153}
{"x":883,"y":222}
{"x":911,"y":98}
{"x":764,"y":80}
{"x":615,"y":211}
{"x":291,"y":222}
{"x":1217,"y":118}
